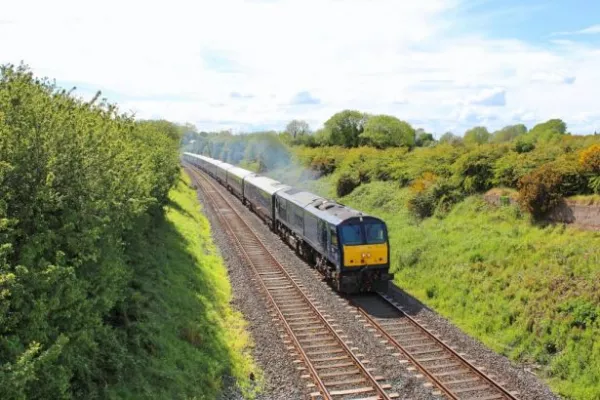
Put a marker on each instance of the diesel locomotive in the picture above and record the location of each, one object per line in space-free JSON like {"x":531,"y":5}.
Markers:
{"x":348,"y":247}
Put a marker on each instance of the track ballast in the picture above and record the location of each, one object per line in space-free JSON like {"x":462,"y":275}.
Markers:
{"x":334,"y":367}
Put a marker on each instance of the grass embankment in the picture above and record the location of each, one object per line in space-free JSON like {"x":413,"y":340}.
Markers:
{"x":193,"y":339}
{"x":528,"y":292}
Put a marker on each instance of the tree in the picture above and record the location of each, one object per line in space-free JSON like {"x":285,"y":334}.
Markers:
{"x":450,"y":138}
{"x":297,"y":128}
{"x":508,"y":133}
{"x":477,"y":135}
{"x":556,"y":125}
{"x":344,"y":128}
{"x":384,"y":131}
{"x":548,"y":130}
{"x":422,"y":138}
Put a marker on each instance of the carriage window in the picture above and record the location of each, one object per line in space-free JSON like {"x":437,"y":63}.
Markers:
{"x":298,"y":217}
{"x":334,"y":240}
{"x":351,"y":234}
{"x":375,"y":232}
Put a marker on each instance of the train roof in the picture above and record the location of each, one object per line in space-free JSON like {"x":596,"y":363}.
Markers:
{"x":266,"y":184}
{"x":214,"y":162}
{"x":195,"y":155}
{"x":334,"y":212}
{"x":239,"y":172}
{"x":298,"y":196}
{"x":225,"y":166}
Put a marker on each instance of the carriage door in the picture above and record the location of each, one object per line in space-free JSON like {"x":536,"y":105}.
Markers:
{"x":333,"y":252}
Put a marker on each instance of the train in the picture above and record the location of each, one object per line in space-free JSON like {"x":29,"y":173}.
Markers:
{"x":350,"y":248}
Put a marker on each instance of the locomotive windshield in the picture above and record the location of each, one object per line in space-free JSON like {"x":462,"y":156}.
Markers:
{"x":374,"y":232}
{"x":371,"y":231}
{"x":351,"y":234}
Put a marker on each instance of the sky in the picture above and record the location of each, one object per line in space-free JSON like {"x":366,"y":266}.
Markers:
{"x":441,"y":65}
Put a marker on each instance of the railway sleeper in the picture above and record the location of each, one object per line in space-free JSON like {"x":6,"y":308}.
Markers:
{"x":335,"y":366}
{"x":444,"y":366}
{"x":321,"y":352}
{"x":443,"y":357}
{"x":316,"y":327}
{"x":488,"y":397}
{"x":308,"y":321}
{"x":453,"y":373}
{"x":345,"y":382}
{"x":461,"y":381}
{"x":345,"y":392}
{"x":329,"y":359}
{"x":330,"y":343}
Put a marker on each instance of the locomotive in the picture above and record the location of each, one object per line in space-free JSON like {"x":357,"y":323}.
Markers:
{"x":348,"y":247}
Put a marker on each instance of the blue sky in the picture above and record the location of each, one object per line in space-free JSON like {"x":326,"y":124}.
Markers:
{"x":443,"y":65}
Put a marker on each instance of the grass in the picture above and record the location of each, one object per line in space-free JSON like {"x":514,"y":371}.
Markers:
{"x":588,"y":199}
{"x":529,"y":292}
{"x":502,"y":191}
{"x":187,"y":339}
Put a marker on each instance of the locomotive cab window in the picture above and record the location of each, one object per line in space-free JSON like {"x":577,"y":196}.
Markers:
{"x":334,"y":239}
{"x":375,"y":232}
{"x":351,"y":234}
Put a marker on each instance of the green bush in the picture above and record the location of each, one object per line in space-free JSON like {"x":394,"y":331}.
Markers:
{"x":80,"y":183}
{"x":437,"y":196}
{"x":475,"y":169}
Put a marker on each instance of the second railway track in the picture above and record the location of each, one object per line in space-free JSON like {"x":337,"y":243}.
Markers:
{"x":334,"y":367}
{"x":450,"y":372}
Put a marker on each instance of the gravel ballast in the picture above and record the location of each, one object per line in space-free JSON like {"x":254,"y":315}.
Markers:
{"x":281,"y":377}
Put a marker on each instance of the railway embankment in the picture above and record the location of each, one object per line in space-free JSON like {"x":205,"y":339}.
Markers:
{"x":196,"y":343}
{"x":383,"y":358}
{"x":527,"y":291}
{"x":582,"y":212}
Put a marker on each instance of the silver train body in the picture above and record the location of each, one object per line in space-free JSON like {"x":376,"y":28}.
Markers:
{"x":348,"y":247}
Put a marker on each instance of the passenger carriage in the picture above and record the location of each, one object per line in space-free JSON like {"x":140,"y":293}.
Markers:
{"x":258,"y":195}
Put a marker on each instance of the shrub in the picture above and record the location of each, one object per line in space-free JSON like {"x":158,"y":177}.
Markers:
{"x":475,"y":169}
{"x":542,"y":190}
{"x":524,"y":146}
{"x":589,"y":159}
{"x":346,"y":183}
{"x":431,"y":194}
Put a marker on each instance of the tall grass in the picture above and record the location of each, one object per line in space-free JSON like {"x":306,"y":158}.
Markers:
{"x":191,"y":338}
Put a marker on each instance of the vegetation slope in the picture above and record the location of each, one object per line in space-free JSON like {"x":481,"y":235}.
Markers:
{"x":525,"y":288}
{"x":102,"y":294}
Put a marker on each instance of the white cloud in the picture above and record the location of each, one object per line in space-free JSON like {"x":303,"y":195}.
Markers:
{"x":495,"y":97}
{"x":237,"y":64}
{"x":553,"y":77}
{"x":590,"y":30}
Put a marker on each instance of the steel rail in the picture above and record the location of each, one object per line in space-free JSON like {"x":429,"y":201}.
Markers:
{"x":444,"y":388}
{"x":322,"y":387}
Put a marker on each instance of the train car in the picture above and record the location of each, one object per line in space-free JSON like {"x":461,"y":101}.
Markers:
{"x":258,"y":195}
{"x":235,"y":180}
{"x":194,"y":159}
{"x":211,"y":166}
{"x":197,"y":160}
{"x":347,"y":246}
{"x":221,"y":172}
{"x":290,"y":216}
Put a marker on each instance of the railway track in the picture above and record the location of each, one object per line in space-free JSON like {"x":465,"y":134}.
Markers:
{"x":337,"y":372}
{"x":451,"y":373}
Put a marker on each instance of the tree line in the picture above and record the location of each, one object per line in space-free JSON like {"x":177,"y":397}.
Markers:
{"x":388,"y":148}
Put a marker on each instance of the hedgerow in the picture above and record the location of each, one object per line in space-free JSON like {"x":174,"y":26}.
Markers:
{"x":79,"y":183}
